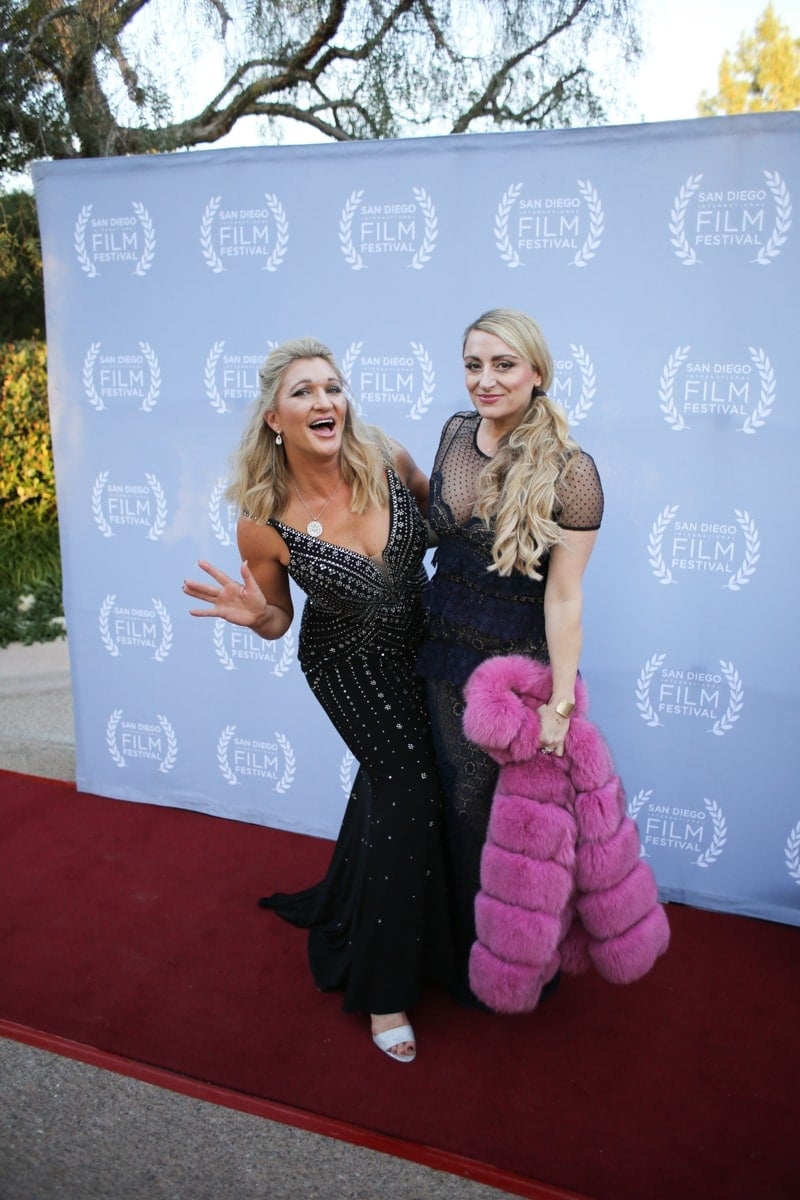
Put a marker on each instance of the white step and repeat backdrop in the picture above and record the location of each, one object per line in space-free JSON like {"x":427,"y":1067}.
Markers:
{"x":661,"y":261}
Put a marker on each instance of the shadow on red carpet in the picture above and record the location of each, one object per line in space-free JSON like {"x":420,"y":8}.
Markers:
{"x":132,"y":938}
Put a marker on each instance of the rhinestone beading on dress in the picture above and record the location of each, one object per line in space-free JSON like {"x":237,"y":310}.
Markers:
{"x":379,"y":922}
{"x":356,"y":604}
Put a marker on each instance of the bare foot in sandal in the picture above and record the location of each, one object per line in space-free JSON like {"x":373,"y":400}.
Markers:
{"x":392,"y":1034}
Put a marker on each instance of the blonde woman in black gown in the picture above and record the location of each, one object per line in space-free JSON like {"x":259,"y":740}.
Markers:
{"x":515,"y":506}
{"x":336,"y":506}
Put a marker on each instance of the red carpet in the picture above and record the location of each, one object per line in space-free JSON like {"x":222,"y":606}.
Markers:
{"x":134,"y":930}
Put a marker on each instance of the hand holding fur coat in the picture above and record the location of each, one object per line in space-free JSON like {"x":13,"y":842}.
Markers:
{"x":562,"y":881}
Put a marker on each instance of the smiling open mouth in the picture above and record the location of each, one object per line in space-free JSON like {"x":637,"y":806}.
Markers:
{"x":324,"y":423}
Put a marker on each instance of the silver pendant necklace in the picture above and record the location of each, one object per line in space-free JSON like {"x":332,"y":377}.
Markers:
{"x":314,"y":526}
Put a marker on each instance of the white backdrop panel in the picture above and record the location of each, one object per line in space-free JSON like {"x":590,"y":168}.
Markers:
{"x":662,"y":263}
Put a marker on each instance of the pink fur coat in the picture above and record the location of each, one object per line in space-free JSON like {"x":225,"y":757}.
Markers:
{"x":562,"y":881}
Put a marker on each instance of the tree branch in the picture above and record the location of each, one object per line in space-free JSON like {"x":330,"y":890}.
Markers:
{"x":345,"y":68}
{"x":486,"y":101}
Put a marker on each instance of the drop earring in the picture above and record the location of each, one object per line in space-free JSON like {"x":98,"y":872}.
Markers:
{"x":278,"y":440}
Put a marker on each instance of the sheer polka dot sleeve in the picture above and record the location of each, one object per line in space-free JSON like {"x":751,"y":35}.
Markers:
{"x":581,"y":496}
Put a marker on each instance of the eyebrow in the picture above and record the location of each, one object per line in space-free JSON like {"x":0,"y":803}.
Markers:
{"x":495,"y":357}
{"x":308,"y":379}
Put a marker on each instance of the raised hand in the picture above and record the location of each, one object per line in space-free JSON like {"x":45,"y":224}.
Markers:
{"x":240,"y":603}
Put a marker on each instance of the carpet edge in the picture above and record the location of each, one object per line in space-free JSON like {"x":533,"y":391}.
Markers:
{"x":426,"y":1156}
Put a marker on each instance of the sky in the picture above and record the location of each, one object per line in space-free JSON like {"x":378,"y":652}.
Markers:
{"x":684,"y":43}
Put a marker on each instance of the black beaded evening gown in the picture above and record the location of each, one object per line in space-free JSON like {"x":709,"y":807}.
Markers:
{"x":472,"y":614}
{"x":379,"y":922}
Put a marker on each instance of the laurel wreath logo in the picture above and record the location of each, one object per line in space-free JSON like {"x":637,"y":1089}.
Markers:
{"x":752,"y":552}
{"x":646,"y":711}
{"x":215,"y":513}
{"x":105,"y":633}
{"x":159,"y":524}
{"x":654,"y":555}
{"x":168,"y":762}
{"x":352,"y":257}
{"x":150,"y":358}
{"x":210,"y":375}
{"x":287,"y":779}
{"x":767,"y":397}
{"x":347,"y":364}
{"x":502,"y":240}
{"x":792,"y":853}
{"x":222,"y":755}
{"x":431,"y":229}
{"x":95,"y":400}
{"x":719,"y":836}
{"x":149,"y":249}
{"x":97,"y":505}
{"x":287,"y":655}
{"x":735,"y":701}
{"x":111,"y":646}
{"x":111,"y":737}
{"x":155,"y":376}
{"x":165,"y":645}
{"x":220,"y":648}
{"x":683,"y":250}
{"x":665,"y":387}
{"x":596,"y":224}
{"x":206,"y":229}
{"x":350,"y":359}
{"x":346,"y":772}
{"x":635,"y":805}
{"x":281,"y":232}
{"x":210,"y":378}
{"x":80,"y":242}
{"x":588,"y":385}
{"x":280,"y":667}
{"x":783,"y":219}
{"x":423,"y":401}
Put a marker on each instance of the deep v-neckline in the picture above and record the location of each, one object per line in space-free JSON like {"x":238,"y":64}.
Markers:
{"x":379,"y":561}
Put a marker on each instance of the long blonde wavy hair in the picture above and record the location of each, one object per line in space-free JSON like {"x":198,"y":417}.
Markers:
{"x":518,"y":488}
{"x":260,"y":478}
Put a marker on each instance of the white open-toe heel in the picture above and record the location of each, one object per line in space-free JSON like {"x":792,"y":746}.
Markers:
{"x":390,"y":1038}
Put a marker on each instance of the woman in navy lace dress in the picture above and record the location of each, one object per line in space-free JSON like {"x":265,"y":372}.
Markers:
{"x":515,"y":506}
{"x":335,"y":505}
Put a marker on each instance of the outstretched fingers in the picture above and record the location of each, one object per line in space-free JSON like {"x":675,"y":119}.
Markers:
{"x":207,"y":592}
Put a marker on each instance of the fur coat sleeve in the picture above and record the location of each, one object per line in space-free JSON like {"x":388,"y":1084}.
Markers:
{"x":563,"y":884}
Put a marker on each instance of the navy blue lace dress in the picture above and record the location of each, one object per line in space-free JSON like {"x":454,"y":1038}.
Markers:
{"x":473,"y":614}
{"x":379,"y":922}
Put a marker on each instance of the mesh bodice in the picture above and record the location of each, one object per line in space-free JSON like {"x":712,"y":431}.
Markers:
{"x":459,"y":462}
{"x":474,"y":612}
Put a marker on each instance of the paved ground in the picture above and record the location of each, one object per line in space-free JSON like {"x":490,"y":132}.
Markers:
{"x":69,"y":1131}
{"x":36,"y":731}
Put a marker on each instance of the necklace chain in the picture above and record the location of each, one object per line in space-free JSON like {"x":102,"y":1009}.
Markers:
{"x":314,"y":526}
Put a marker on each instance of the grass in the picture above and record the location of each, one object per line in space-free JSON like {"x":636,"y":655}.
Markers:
{"x":31,"y":609}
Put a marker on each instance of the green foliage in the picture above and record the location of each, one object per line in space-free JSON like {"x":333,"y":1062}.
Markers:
{"x":26,"y":476}
{"x":763,"y":75}
{"x":32,"y":108}
{"x":21,"y":280}
{"x":30,"y":586}
{"x":30,"y":583}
